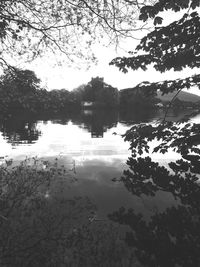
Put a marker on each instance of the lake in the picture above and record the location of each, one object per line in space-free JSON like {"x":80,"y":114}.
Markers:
{"x":90,"y":146}
{"x":90,"y":143}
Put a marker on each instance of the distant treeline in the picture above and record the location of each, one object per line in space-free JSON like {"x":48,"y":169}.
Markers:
{"x":20,"y":91}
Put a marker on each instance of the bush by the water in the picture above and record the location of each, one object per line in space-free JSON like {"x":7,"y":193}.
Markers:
{"x":42,"y":226}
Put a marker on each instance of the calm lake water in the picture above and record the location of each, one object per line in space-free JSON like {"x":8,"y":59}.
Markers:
{"x":89,"y":217}
{"x":91,"y":147}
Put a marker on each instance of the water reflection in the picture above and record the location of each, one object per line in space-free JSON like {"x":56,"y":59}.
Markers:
{"x":20,"y":131}
{"x":51,"y":215}
{"x":96,"y":122}
{"x":129,"y":117}
{"x":23,"y":129}
{"x":47,"y":219}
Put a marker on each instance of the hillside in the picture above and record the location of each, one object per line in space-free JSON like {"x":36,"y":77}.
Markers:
{"x":183,"y":96}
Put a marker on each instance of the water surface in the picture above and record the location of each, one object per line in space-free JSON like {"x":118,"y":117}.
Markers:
{"x":86,"y":214}
{"x":91,"y":146}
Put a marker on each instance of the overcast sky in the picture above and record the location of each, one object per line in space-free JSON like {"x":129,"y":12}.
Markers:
{"x":58,"y":77}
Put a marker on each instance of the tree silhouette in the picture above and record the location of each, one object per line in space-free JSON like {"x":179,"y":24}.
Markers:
{"x":163,"y":49}
{"x":100,"y":92}
{"x":170,"y":237}
{"x":24,"y":81}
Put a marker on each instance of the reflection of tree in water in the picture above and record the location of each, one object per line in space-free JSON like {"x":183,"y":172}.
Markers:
{"x":144,"y":114}
{"x":138,"y":115}
{"x":172,"y":237}
{"x":23,"y":127}
{"x":18,"y":131}
{"x":97,"y":121}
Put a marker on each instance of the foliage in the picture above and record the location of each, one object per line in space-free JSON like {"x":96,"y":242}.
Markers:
{"x":162,"y":5}
{"x":77,"y":94}
{"x":164,"y":50}
{"x":20,"y":91}
{"x":41,"y":225}
{"x":93,"y":89}
{"x":24,"y":81}
{"x":103,"y":94}
{"x":17,"y":90}
{"x":97,"y":90}
{"x":29,"y":217}
{"x":137,"y":97}
{"x":181,"y":137}
{"x":171,"y":236}
{"x":100,"y":244}
{"x":31,"y":28}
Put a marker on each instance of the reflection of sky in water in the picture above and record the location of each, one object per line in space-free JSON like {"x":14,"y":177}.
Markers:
{"x":94,"y":162}
{"x":94,"y":179}
{"x":71,"y":140}
{"x":97,"y":161}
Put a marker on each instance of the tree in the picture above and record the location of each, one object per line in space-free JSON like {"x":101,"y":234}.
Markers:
{"x":136,"y":98}
{"x":94,"y":89}
{"x":100,"y":92}
{"x":24,"y":81}
{"x":34,"y":27}
{"x":165,"y":51}
{"x":170,"y":237}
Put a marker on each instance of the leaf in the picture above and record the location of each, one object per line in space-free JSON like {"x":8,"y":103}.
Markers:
{"x":158,"y":20}
{"x":143,"y":17}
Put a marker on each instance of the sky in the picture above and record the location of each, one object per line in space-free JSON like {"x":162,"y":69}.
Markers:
{"x":65,"y":77}
{"x":59,"y":77}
